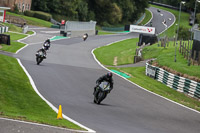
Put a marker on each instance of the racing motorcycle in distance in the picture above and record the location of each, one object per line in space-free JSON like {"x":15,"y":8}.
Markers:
{"x":101,"y":92}
{"x":40,"y":55}
{"x":46,"y":46}
{"x":85,"y":36}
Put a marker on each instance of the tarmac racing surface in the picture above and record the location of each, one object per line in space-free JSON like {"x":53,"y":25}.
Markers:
{"x":68,"y":75}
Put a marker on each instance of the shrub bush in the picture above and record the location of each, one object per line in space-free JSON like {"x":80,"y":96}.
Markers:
{"x":184,"y":33}
{"x":198,"y":18}
{"x":42,"y":15}
{"x":29,"y":13}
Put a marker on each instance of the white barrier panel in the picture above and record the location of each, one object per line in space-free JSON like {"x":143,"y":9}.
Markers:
{"x":142,"y":29}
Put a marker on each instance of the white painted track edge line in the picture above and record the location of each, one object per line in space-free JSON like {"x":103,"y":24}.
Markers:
{"x":151,"y":17}
{"x":23,"y":42}
{"x":92,"y":52}
{"x":50,"y":104}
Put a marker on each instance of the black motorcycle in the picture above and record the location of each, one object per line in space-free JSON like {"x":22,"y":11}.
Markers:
{"x":101,"y":92}
{"x":85,"y":36}
{"x":39,"y":57}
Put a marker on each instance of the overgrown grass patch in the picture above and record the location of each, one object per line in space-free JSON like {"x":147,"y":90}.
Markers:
{"x":18,"y":100}
{"x":152,"y":85}
{"x":123,"y":50}
{"x":32,"y":20}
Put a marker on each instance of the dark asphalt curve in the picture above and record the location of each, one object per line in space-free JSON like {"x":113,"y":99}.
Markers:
{"x":67,"y":78}
{"x":158,"y":19}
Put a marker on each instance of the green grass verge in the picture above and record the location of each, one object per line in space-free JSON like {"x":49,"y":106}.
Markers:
{"x":152,"y":85}
{"x":30,"y":32}
{"x":32,"y":20}
{"x":148,"y":16}
{"x":184,"y":20}
{"x":14,"y":44}
{"x":100,"y":32}
{"x":18,"y":100}
{"x":124,"y":51}
{"x":13,"y":28}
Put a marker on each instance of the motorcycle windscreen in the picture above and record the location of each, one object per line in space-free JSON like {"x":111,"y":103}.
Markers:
{"x":105,"y":86}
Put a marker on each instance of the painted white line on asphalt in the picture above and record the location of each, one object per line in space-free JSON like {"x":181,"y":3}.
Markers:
{"x":138,"y":85}
{"x":50,"y":104}
{"x":151,"y":17}
{"x":50,"y":31}
{"x":34,"y":33}
{"x":37,"y":124}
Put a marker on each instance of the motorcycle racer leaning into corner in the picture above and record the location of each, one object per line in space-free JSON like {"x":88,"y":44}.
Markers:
{"x":43,"y":51}
{"x":107,"y":77}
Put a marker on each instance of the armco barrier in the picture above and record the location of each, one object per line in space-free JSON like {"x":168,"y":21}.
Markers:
{"x":184,"y":85}
{"x":3,"y":29}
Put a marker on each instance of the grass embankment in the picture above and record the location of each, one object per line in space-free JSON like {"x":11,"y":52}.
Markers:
{"x":13,"y":28}
{"x":32,"y":20}
{"x":147,"y":18}
{"x":18,"y":100}
{"x":164,"y":55}
{"x":124,"y":51}
{"x":184,"y":20}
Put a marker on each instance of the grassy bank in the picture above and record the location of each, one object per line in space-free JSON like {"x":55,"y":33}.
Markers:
{"x":164,"y":55}
{"x":124,"y":51}
{"x":18,"y":100}
{"x":148,"y":16}
{"x":32,"y":20}
{"x":14,"y":44}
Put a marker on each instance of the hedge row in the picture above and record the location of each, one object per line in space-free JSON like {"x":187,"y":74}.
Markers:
{"x":38,"y":14}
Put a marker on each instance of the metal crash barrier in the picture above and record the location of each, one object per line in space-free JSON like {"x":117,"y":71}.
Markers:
{"x":181,"y":84}
{"x":76,"y":28}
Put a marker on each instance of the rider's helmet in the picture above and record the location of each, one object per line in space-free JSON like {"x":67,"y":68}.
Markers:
{"x":48,"y":40}
{"x":109,"y":74}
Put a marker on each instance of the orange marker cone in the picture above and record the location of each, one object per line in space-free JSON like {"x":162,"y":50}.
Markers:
{"x":59,"y":116}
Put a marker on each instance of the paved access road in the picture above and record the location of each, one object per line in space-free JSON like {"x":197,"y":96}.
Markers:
{"x":68,"y":75}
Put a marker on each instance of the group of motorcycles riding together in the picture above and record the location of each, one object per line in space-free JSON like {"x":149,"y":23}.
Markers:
{"x":42,"y":53}
{"x":104,"y":83}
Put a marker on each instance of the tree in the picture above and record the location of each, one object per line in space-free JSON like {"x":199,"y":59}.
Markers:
{"x":115,"y":16}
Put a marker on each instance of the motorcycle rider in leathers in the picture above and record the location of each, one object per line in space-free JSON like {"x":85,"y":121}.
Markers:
{"x":107,"y":77}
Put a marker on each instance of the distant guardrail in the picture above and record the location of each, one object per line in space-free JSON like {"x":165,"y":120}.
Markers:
{"x":3,"y":29}
{"x":184,"y":85}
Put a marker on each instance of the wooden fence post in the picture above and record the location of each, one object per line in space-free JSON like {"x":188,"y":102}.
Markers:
{"x":198,"y":58}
